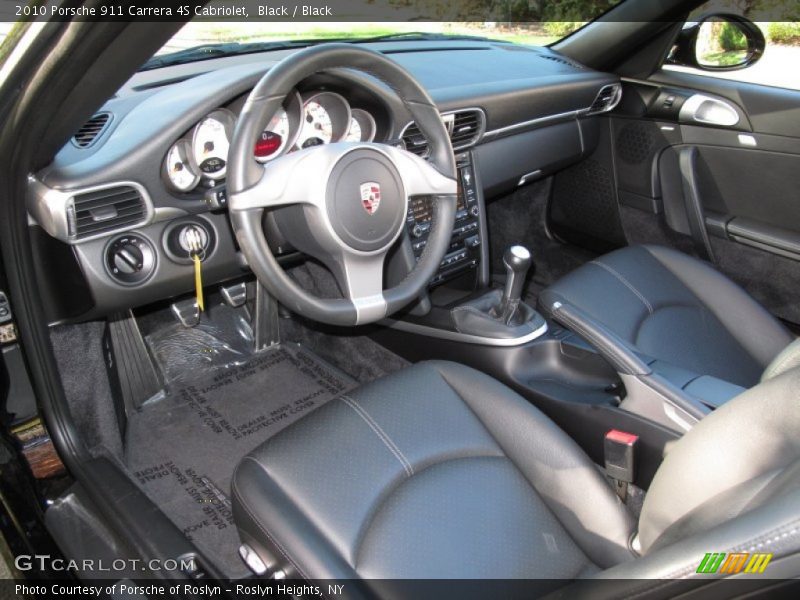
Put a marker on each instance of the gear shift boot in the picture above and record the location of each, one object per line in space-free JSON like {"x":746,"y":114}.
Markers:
{"x":479,"y":317}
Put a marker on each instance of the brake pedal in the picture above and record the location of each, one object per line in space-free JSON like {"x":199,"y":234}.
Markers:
{"x":234,"y":295}
{"x":187,"y":311}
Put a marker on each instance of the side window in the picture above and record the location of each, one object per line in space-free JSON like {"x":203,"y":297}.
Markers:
{"x":759,"y":43}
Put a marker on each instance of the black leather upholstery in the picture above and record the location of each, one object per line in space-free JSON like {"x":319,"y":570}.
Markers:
{"x":675,"y":308}
{"x":477,"y":317}
{"x":437,"y":471}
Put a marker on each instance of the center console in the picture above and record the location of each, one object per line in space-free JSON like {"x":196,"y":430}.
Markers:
{"x":465,"y":252}
{"x":468,"y":318}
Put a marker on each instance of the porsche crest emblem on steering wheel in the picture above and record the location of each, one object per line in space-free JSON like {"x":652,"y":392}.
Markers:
{"x":370,"y":196}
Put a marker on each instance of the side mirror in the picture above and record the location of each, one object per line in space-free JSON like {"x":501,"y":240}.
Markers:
{"x":718,"y":42}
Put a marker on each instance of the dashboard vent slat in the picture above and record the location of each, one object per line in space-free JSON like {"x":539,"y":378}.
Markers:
{"x":464,"y":126}
{"x":607,"y":98}
{"x":414,"y":140}
{"x":106,"y":210}
{"x":91,"y":130}
{"x":563,"y":61}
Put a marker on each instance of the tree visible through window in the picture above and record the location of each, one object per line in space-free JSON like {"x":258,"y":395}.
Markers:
{"x":721,"y":44}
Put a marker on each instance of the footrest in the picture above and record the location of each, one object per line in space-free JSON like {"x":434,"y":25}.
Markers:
{"x":138,"y":378}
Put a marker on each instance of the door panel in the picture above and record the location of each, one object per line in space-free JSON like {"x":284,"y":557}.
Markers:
{"x":727,"y":193}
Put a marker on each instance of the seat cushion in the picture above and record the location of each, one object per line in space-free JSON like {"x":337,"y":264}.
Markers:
{"x":677,"y":309}
{"x":436,"y":471}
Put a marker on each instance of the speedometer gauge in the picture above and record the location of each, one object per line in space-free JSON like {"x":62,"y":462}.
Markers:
{"x":211,"y":141}
{"x":178,"y":167}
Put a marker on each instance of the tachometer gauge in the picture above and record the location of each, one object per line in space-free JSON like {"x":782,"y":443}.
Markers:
{"x":178,"y":167}
{"x":211,"y":141}
{"x":326,"y":119}
{"x":281,"y":131}
{"x":273,"y":138}
{"x":362,"y":127}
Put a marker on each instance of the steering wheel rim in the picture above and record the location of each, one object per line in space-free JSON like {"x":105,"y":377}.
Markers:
{"x":320,"y":219}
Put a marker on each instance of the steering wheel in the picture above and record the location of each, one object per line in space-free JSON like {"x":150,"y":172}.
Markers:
{"x":344,"y":204}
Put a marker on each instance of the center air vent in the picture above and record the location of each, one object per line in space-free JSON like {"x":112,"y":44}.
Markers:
{"x":464,"y":126}
{"x":466,"y":129}
{"x":607,"y":98}
{"x":102,"y":211}
{"x":91,"y":130}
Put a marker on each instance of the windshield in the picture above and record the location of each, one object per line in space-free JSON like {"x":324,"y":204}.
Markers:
{"x":533,"y":23}
{"x":202,"y":33}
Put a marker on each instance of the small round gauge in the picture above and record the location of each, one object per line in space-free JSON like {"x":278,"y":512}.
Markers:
{"x":178,"y":167}
{"x":362,"y":127}
{"x":326,"y":119}
{"x":210,"y":143}
{"x":279,"y":132}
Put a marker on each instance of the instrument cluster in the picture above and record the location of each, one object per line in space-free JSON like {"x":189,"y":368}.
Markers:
{"x":303,"y":121}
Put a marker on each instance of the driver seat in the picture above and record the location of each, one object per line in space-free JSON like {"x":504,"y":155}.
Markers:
{"x":439,"y":471}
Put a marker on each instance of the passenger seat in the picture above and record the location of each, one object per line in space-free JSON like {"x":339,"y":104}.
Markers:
{"x":674,"y":308}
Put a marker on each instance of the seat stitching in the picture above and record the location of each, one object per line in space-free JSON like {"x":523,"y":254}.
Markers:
{"x":382,"y":435}
{"x":626,"y":283}
{"x":775,"y":534}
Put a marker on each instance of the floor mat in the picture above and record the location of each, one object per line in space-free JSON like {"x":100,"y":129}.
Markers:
{"x":183,"y":449}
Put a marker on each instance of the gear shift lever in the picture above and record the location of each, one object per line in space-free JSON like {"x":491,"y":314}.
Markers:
{"x":517,"y":260}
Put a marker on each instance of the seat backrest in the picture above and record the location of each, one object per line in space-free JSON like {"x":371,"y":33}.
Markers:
{"x":742,"y":457}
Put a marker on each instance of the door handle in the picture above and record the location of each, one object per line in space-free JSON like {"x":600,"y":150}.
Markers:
{"x":708,"y":110}
{"x":687,"y":157}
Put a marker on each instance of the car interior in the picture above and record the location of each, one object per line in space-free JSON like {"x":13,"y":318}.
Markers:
{"x":423,"y":309}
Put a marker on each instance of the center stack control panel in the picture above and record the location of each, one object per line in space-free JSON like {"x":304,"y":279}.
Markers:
{"x":464,"y":253}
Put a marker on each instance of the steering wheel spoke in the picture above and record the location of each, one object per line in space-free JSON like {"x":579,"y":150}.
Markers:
{"x":286,"y":181}
{"x":361,"y":279}
{"x":420,"y":177}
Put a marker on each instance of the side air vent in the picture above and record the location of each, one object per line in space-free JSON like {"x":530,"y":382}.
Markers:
{"x":563,"y":61}
{"x":102,"y":211}
{"x":414,"y":141}
{"x":91,"y":130}
{"x":607,"y":98}
{"x":464,"y":126}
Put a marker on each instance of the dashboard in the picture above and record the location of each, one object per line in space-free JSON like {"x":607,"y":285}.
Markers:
{"x":110,"y":215}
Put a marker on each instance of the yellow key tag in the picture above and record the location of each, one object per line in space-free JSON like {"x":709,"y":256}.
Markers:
{"x":198,"y":281}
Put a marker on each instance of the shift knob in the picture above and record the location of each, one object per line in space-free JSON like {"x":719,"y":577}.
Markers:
{"x":517,"y":260}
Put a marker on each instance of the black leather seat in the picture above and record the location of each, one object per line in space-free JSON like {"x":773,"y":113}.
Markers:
{"x":675,"y":308}
{"x":440,"y":471}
